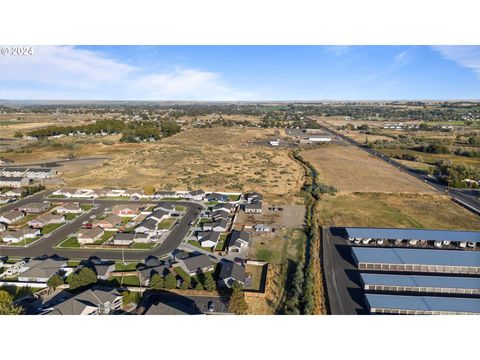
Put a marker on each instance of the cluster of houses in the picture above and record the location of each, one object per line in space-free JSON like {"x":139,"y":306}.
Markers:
{"x":11,"y":195}
{"x":13,"y":232}
{"x":17,"y":177}
{"x":144,"y":224}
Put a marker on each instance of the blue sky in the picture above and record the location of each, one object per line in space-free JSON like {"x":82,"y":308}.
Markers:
{"x":230,"y":73}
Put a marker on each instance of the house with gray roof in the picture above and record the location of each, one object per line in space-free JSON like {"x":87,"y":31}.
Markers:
{"x":209,"y":238}
{"x":46,"y":219}
{"x":220,"y":215}
{"x":238,"y":240}
{"x":95,"y":301}
{"x":230,"y":272}
{"x":9,"y":217}
{"x":69,"y":208}
{"x":42,"y":270}
{"x":148,"y":226}
{"x":197,"y":195}
{"x":253,"y":197}
{"x":223,"y":206}
{"x":253,"y":208}
{"x":21,"y":234}
{"x":13,"y":181}
{"x":89,"y":236}
{"x":171,"y":308}
{"x":35,"y":208}
{"x":197,"y":264}
{"x":158,"y":215}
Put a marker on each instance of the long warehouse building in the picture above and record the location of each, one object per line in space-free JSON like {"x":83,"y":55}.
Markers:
{"x":421,"y":305}
{"x":413,"y":234}
{"x":421,"y":284}
{"x":417,"y":260}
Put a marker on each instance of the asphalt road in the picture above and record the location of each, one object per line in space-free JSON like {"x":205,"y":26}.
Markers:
{"x":345,"y":294}
{"x":470,"y":198}
{"x":45,"y":245}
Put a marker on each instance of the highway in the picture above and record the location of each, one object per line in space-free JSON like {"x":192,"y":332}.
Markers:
{"x":45,"y":246}
{"x":467,"y":198}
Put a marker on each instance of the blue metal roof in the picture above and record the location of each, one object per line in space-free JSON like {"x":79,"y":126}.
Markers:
{"x":421,"y":281}
{"x":414,"y":234}
{"x":417,"y":256}
{"x":426,"y":303}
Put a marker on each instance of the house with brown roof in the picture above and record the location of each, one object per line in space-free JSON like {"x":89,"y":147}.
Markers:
{"x":89,"y":236}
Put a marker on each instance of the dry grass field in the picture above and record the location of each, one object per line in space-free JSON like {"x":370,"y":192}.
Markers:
{"x":216,"y":159}
{"x":350,"y":169}
{"x":395,"y":210}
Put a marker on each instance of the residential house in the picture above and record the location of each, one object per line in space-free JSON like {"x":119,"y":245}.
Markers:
{"x":198,"y":264}
{"x":42,"y":270}
{"x":223,"y":207}
{"x":13,"y":181}
{"x":95,"y":301}
{"x":14,"y":171}
{"x":115,"y":192}
{"x":262,"y":228}
{"x":171,"y":308}
{"x":46,"y":219}
{"x":40,"y":173}
{"x":125,"y":210}
{"x":217,"y":197}
{"x":89,"y":236}
{"x":35,"y":208}
{"x":13,"y":193}
{"x":238,"y":240}
{"x":253,"y":197}
{"x":218,"y":226}
{"x":220,"y":215}
{"x":197,"y":195}
{"x":209,"y":239}
{"x":158,"y":215}
{"x":165,"y":194}
{"x":110,"y":222}
{"x":148,"y":226}
{"x":152,"y":266}
{"x":69,"y":208}
{"x":169,"y":208}
{"x":4,"y":161}
{"x":15,"y":236}
{"x":253,"y":208}
{"x":6,"y":200}
{"x":12,"y":216}
{"x":230,"y":273}
{"x":136,"y":193}
{"x":127,"y":239}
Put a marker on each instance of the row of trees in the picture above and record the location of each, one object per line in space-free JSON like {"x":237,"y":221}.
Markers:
{"x":131,"y":131}
{"x":454,"y":175}
{"x":7,"y":307}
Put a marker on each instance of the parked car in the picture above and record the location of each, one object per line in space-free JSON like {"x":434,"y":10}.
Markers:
{"x":211,"y":306}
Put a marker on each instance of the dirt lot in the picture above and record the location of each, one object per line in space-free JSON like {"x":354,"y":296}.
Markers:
{"x":277,"y":248}
{"x":352,"y":170}
{"x":290,"y":216}
{"x":395,"y":210}
{"x":214,"y":159}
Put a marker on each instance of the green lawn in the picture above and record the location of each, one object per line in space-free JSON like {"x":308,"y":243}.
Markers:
{"x":49,"y":228}
{"x":204,"y":220}
{"x":25,"y":242}
{"x":71,"y":242}
{"x":234,"y":197}
{"x":165,"y":224}
{"x":142,"y":246}
{"x":125,"y":220}
{"x":221,"y":243}
{"x":213,"y":203}
{"x":128,"y":267}
{"x":73,"y":263}
{"x":197,"y":244}
{"x":106,"y":235}
{"x":70,"y":216}
{"x":180,"y":208}
{"x":57,"y":197}
{"x":130,"y":280}
{"x":86,"y":207}
{"x":182,"y":273}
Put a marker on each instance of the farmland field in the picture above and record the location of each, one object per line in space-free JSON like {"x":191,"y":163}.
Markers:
{"x":350,"y":169}
{"x":395,"y":210}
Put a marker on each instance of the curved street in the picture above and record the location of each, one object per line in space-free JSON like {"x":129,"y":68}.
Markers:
{"x":45,"y":246}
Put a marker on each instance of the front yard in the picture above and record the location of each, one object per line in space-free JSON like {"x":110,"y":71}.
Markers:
{"x":165,"y":224}
{"x":71,"y":242}
{"x":49,"y":228}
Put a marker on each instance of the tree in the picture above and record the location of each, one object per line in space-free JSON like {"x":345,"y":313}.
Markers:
{"x":85,"y":277}
{"x":157,"y":282}
{"x":54,"y":282}
{"x":18,"y":134}
{"x":6,"y":305}
{"x":170,"y":281}
{"x":130,"y":297}
{"x":185,"y":285}
{"x":237,"y":303}
{"x":198,"y":286}
{"x":208,"y":282}
{"x":149,"y":190}
{"x":169,"y":127}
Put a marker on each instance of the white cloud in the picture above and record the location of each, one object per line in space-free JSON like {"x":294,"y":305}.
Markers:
{"x":66,"y":72}
{"x":402,"y":59}
{"x":337,"y":50}
{"x":464,"y":56}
